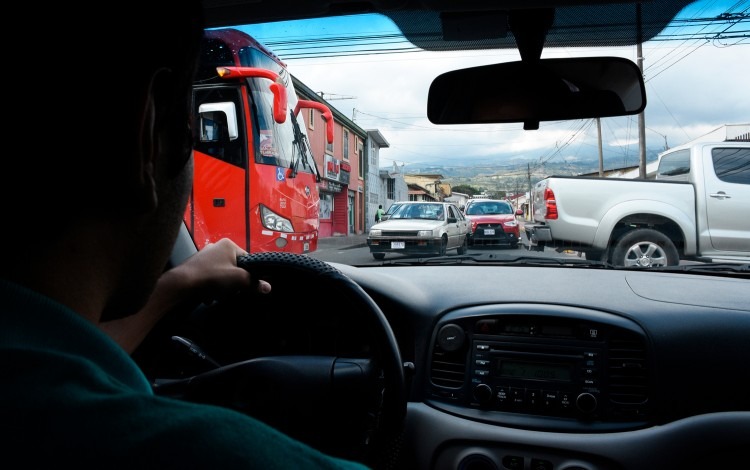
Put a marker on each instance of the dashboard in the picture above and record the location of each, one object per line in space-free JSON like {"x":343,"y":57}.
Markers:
{"x":508,"y":367}
{"x":566,"y":368}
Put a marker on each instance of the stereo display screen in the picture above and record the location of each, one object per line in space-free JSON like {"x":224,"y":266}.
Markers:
{"x":534,"y":370}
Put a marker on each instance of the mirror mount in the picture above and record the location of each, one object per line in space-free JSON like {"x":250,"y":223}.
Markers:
{"x":530,"y":28}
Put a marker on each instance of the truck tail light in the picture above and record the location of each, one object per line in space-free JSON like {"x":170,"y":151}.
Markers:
{"x":550,"y":204}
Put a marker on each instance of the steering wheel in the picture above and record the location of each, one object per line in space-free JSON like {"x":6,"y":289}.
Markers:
{"x":347,"y":403}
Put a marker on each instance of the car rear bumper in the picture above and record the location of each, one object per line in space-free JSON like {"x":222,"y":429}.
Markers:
{"x":499,"y":237}
{"x":415,"y":246}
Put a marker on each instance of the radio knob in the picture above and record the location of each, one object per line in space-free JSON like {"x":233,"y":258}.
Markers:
{"x":483,"y":394}
{"x":586,"y":403}
{"x":451,"y":337}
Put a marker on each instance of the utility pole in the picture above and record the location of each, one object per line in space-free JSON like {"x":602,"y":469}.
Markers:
{"x":531,"y":199}
{"x":642,"y":115}
{"x":601,"y":154}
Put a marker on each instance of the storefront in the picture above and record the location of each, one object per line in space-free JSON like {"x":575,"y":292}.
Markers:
{"x":334,"y":201}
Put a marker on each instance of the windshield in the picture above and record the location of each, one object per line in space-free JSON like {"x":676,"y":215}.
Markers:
{"x":665,"y":187}
{"x":490,"y":208}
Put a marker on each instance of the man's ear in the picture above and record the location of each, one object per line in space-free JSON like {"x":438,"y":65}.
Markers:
{"x":149,"y":145}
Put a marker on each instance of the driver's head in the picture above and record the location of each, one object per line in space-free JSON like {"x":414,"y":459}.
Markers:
{"x":101,"y":139}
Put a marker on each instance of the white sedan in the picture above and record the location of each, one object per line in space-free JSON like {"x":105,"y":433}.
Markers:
{"x":420,"y":228}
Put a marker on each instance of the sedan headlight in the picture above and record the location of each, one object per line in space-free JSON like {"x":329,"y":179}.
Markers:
{"x":273,"y":221}
{"x":424,"y":233}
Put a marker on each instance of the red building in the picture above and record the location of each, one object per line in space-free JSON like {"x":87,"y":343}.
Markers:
{"x":342,"y":168}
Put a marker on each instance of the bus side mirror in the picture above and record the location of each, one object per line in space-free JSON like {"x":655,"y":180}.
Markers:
{"x":280,"y":103}
{"x":327,"y":115}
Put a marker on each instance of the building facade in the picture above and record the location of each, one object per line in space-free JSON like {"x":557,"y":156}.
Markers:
{"x":342,"y":165}
{"x":352,"y":184}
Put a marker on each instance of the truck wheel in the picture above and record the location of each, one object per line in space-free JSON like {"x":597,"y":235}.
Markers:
{"x":645,"y":248}
{"x":378,"y":255}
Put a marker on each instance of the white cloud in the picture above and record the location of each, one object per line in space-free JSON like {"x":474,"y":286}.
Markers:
{"x":691,"y":90}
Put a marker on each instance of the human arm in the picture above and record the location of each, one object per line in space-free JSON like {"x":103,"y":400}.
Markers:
{"x":207,"y":275}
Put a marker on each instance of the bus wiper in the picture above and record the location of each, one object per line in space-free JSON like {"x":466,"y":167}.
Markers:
{"x":491,"y":258}
{"x":302,"y":144}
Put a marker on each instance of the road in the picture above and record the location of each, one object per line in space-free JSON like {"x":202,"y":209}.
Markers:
{"x":359,"y":255}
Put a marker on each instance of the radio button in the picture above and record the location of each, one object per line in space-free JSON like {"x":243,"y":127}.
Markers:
{"x":586,"y":402}
{"x":566,"y":401}
{"x":517,"y":397}
{"x":533,"y":398}
{"x":589,"y":382}
{"x":483,"y":394}
{"x":482,"y":362}
{"x":481,"y":372}
{"x":550,"y":399}
{"x":502,"y":396}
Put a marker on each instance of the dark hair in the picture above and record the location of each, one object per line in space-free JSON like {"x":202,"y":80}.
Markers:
{"x":82,"y":81}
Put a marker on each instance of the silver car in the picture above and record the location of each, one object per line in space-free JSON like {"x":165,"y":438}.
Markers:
{"x":420,"y":228}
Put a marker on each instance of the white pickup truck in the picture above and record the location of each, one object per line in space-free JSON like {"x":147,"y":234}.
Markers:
{"x":697,"y":208}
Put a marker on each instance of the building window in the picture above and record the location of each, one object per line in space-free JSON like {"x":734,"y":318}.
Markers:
{"x":311,"y":119}
{"x":373,"y":155}
{"x":391,"y":182}
{"x":361,"y":158}
{"x":329,"y":147}
{"x":345,"y":144}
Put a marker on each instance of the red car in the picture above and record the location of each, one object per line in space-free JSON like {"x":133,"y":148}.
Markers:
{"x":493,"y":222}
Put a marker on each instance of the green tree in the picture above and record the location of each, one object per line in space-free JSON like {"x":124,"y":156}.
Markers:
{"x":465,"y":189}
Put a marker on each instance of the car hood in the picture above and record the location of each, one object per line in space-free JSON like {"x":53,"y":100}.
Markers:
{"x":408,"y":224}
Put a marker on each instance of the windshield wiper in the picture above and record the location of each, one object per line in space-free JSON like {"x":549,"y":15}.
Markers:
{"x":499,"y":260}
{"x":742,"y":270}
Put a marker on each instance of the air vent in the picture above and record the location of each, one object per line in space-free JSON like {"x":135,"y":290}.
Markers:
{"x":628,"y":372}
{"x":448,"y":369}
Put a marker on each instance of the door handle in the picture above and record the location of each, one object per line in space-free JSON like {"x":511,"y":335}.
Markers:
{"x":720,"y":195}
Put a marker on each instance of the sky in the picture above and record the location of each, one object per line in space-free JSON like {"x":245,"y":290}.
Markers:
{"x":694,"y":85}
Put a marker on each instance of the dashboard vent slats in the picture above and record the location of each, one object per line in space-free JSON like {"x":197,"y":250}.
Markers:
{"x":628,"y":371}
{"x":448,"y":369}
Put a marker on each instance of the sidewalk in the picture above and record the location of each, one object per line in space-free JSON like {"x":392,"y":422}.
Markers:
{"x":342,"y":242}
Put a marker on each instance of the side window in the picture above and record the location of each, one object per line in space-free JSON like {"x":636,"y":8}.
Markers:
{"x":219,"y":125}
{"x":675,"y":165}
{"x":732,"y":165}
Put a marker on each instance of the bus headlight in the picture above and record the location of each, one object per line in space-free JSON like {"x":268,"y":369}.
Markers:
{"x":273,"y":221}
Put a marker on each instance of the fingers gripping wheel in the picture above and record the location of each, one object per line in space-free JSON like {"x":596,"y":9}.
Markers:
{"x":277,"y":267}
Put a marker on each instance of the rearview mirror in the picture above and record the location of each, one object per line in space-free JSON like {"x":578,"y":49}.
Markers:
{"x":546,"y":90}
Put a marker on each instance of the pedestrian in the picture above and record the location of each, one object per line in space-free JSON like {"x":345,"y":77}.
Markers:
{"x":379,"y":213}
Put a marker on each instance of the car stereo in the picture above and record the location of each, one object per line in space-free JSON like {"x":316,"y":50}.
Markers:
{"x":572,"y":367}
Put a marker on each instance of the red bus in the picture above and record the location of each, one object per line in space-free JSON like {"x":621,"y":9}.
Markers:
{"x":255,"y":178}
